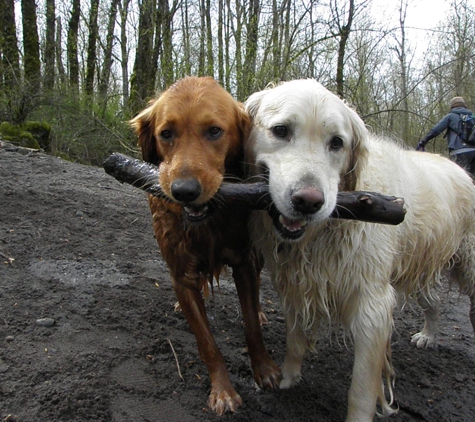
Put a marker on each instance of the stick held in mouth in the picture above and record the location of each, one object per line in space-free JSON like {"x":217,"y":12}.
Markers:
{"x":359,"y":205}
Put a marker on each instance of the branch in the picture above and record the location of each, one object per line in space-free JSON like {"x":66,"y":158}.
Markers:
{"x":363,"y":206}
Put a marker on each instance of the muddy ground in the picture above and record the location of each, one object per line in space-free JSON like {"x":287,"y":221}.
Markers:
{"x":88,"y":330}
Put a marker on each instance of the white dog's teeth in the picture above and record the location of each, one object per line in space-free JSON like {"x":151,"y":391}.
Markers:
{"x":292,"y":225}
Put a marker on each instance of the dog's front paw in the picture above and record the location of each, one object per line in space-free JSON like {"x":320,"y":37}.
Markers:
{"x":289,"y":382}
{"x":224,"y":400}
{"x":267,"y":373}
{"x":291,"y":372}
{"x":423,"y":340}
{"x":290,"y":376}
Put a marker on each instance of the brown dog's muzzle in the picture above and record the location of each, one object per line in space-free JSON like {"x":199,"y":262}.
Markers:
{"x":186,"y":190}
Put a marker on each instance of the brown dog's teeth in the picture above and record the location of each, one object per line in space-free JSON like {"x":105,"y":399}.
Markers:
{"x":196,"y":211}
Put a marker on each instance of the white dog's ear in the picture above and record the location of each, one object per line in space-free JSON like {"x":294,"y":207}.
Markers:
{"x":253,"y":102}
{"x":359,"y":152}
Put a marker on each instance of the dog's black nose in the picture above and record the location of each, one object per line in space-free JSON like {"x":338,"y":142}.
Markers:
{"x":186,"y":190}
{"x":307,"y":200}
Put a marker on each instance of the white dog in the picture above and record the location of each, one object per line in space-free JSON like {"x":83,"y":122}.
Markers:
{"x":309,"y":145}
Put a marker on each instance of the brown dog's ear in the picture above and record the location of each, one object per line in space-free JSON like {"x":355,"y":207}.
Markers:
{"x":359,"y":152}
{"x":144,"y":124}
{"x":244,"y":122}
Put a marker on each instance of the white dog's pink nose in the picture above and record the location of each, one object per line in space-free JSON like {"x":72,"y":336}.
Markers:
{"x":307,"y":200}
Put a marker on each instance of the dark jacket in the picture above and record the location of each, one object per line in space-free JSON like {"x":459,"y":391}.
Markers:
{"x":451,"y":123}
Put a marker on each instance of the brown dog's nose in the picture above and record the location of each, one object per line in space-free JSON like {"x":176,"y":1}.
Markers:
{"x":307,"y":200}
{"x":186,"y":190}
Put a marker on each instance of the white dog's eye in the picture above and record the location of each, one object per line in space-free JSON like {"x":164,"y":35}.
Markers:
{"x":280,"y":131}
{"x":336,"y":143}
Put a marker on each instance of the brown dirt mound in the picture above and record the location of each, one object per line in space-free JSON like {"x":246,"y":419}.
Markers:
{"x":87,"y":320}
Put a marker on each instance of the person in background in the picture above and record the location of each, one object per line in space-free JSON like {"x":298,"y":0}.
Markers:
{"x":452,"y":123}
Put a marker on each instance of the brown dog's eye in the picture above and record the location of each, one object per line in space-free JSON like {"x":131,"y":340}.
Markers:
{"x":336,"y":143}
{"x":166,"y":134}
{"x":214,"y":132}
{"x":280,"y":131}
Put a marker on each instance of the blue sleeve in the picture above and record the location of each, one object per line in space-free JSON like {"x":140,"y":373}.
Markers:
{"x":442,"y":125}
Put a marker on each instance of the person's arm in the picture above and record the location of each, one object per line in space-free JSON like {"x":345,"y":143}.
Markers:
{"x":442,"y":125}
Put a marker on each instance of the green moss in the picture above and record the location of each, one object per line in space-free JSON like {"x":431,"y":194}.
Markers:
{"x":40,"y":131}
{"x":18,"y":136}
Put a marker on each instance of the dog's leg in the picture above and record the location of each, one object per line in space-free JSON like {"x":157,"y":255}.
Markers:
{"x":266,"y":372}
{"x":430,"y":306}
{"x":262,"y":316}
{"x":472,"y":310}
{"x":223,"y":396}
{"x":296,"y":347}
{"x":463,"y":272}
{"x":371,"y":328}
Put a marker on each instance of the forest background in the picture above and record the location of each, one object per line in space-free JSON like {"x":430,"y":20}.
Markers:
{"x":73,"y":72}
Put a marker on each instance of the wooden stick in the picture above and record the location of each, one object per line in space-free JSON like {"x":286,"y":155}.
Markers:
{"x":176,"y":359}
{"x":359,"y":205}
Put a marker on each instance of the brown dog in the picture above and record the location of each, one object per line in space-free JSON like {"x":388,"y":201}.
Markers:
{"x":194,"y":131}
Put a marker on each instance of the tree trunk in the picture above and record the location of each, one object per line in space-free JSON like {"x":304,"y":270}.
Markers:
{"x":344,"y":34}
{"x":73,"y":62}
{"x":220,"y":42}
{"x":276,"y":46}
{"x":141,"y":88}
{"x":49,"y":53}
{"x":107,"y":60}
{"x":285,"y":41}
{"x":209,"y":41}
{"x":237,"y":32}
{"x":186,"y":41}
{"x":201,"y":59}
{"x":167,"y":15}
{"x":124,"y":52}
{"x":58,"y":52}
{"x":249,"y":66}
{"x":10,"y":53}
{"x":31,"y":45}
{"x":91,"y":48}
{"x":403,"y":64}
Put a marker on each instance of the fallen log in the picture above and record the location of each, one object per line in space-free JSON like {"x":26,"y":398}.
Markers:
{"x":359,"y":205}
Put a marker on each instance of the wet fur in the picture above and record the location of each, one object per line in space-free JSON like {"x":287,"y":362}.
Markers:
{"x":348,"y":272}
{"x":176,"y":132}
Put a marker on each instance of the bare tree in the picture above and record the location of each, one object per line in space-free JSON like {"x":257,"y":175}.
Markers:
{"x":201,"y":57}
{"x":49,"y":53}
{"x":124,"y":52}
{"x":107,"y":59}
{"x":141,"y":87}
{"x":73,"y":61}
{"x":402,"y":57}
{"x":31,"y":45}
{"x":58,"y":53}
{"x":221,"y":41}
{"x":92,"y":48}
{"x":249,"y":65}
{"x":344,"y":30}
{"x":167,"y":15}
{"x":10,"y":54}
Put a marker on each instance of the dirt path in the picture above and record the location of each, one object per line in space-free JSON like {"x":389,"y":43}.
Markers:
{"x":87,"y":323}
